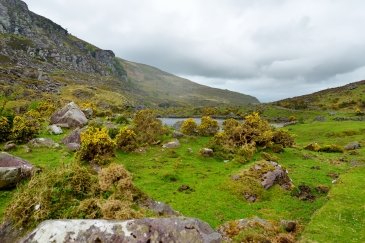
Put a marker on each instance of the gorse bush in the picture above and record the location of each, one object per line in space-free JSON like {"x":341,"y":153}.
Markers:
{"x":96,"y":146}
{"x":75,"y":191}
{"x":147,"y":127}
{"x":126,"y":139}
{"x":284,"y":138}
{"x":5,"y":129}
{"x":24,"y":128}
{"x":208,"y":126}
{"x":189,"y":127}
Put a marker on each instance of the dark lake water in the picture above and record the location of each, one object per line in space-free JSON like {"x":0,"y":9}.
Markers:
{"x":171,"y":121}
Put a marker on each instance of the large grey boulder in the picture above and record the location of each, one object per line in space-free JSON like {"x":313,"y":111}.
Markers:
{"x":138,"y":230}
{"x":43,"y":143}
{"x":73,"y":137}
{"x":13,"y":170}
{"x":71,"y":115}
{"x":172,"y":144}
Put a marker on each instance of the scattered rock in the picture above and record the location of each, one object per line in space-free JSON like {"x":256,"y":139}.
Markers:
{"x":177,"y":125}
{"x":136,"y":230}
{"x":352,"y":146}
{"x":304,"y":193}
{"x":73,"y":137}
{"x":207,"y":152}
{"x":289,"y":225}
{"x":43,"y":143}
{"x":54,"y":129}
{"x":185,"y":188}
{"x":70,"y":115}
{"x":172,"y":144}
{"x":322,"y":189}
{"x":13,"y":170}
{"x":278,"y":175}
{"x":320,"y":118}
{"x":161,"y":208}
{"x":249,"y":197}
{"x":177,"y":134}
{"x":73,"y":146}
{"x":9,"y":146}
{"x":88,"y":113}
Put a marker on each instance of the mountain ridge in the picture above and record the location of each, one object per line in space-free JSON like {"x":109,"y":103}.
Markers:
{"x":34,"y":47}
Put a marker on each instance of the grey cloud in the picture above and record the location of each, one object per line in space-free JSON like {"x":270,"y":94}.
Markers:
{"x":264,"y":48}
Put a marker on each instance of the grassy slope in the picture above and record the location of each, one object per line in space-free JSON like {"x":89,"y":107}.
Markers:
{"x":213,"y":203}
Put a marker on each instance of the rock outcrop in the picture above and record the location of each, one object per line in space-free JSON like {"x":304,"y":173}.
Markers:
{"x":43,"y":143}
{"x":138,"y":230}
{"x":13,"y":170}
{"x":71,"y":115}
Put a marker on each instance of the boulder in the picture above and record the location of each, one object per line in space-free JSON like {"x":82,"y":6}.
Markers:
{"x":73,"y":137}
{"x":207,"y":152}
{"x":13,"y":170}
{"x":43,"y":143}
{"x":73,"y":146}
{"x":177,"y":134}
{"x":161,"y":208}
{"x":137,"y":230}
{"x":172,"y":144}
{"x":177,"y":125}
{"x":88,"y":113}
{"x":352,"y":146}
{"x":9,"y":146}
{"x":278,"y":175}
{"x":70,"y":115}
{"x":54,"y":129}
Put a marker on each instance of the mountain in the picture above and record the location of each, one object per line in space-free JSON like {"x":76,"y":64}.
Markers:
{"x":350,"y":97}
{"x":40,"y":55}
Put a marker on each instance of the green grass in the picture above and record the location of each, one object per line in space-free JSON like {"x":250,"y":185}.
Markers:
{"x":342,"y":219}
{"x":160,"y":172}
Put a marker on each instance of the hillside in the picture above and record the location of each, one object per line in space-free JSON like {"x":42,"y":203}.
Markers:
{"x":347,"y":97}
{"x":43,"y":57}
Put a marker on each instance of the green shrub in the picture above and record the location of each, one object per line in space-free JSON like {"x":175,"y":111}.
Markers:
{"x":5,"y":129}
{"x":189,"y":127}
{"x":126,"y":139}
{"x":147,"y":127}
{"x":121,"y":120}
{"x":208,"y":126}
{"x":75,"y":191}
{"x":333,"y":148}
{"x":96,"y":146}
{"x":313,"y":147}
{"x":24,"y":128}
{"x":283,"y":137}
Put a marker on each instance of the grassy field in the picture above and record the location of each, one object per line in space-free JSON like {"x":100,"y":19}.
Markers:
{"x":160,"y":172}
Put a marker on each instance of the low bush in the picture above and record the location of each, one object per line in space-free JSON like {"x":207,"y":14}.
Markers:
{"x":120,"y":119}
{"x":126,"y":139}
{"x":147,"y":127}
{"x":333,"y":148}
{"x":96,"y":146}
{"x":283,"y":137}
{"x":189,"y":127}
{"x":24,"y":128}
{"x":5,"y":129}
{"x":313,"y":147}
{"x":75,"y":191}
{"x":208,"y":126}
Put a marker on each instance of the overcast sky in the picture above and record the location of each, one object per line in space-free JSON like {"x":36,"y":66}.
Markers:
{"x":271,"y":49}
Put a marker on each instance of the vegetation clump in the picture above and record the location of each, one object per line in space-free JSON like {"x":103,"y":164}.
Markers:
{"x":147,"y":127}
{"x":5,"y":128}
{"x":24,"y":128}
{"x":333,"y":148}
{"x":208,"y":126}
{"x":283,"y":138}
{"x":75,"y":191}
{"x":126,"y":139}
{"x":96,"y":146}
{"x":189,"y":127}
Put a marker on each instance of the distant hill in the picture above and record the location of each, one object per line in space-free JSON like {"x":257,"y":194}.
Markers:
{"x":350,"y":96}
{"x":40,"y":55}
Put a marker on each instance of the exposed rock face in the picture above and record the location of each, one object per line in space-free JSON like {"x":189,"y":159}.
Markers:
{"x":43,"y":143}
{"x":172,"y":144}
{"x":70,"y":115}
{"x":352,"y":146}
{"x":139,"y":230}
{"x":278,"y":175}
{"x":73,"y":137}
{"x":13,"y":170}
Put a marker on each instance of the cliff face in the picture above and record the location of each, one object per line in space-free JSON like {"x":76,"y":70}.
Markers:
{"x":28,"y":39}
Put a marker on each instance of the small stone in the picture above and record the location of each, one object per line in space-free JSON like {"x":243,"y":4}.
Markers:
{"x":352,"y":146}
{"x":54,"y":129}
{"x":9,"y":146}
{"x":172,"y":144}
{"x":289,"y":225}
{"x":176,"y":134}
{"x":207,"y":152}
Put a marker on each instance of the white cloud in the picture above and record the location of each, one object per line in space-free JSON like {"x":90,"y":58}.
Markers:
{"x":269,"y":49}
